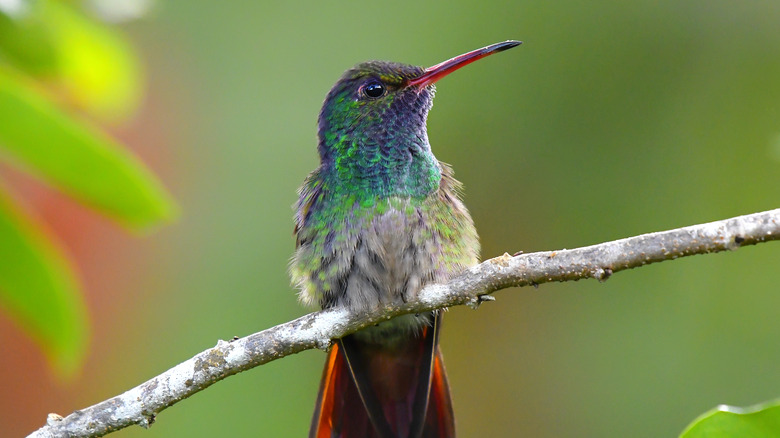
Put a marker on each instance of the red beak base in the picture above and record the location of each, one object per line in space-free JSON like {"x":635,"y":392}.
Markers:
{"x":438,"y":71}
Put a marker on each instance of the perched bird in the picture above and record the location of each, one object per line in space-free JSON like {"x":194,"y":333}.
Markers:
{"x":378,"y":220}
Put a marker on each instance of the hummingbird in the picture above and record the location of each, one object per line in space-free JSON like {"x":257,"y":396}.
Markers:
{"x":378,"y":220}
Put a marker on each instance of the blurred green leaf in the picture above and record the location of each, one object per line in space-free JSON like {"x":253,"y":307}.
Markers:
{"x":98,"y":67}
{"x":27,"y":43}
{"x":760,"y":421}
{"x":93,"y":68}
{"x":78,"y":158}
{"x":37,"y":287}
{"x":94,"y":65}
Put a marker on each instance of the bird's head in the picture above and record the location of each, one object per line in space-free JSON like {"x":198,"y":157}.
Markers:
{"x":375,"y":115}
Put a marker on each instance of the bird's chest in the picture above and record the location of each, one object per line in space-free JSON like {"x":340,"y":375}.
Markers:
{"x":389,"y":259}
{"x":395,"y":253}
{"x":367,"y":258}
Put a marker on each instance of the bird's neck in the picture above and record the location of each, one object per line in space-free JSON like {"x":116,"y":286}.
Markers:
{"x":377,"y":168}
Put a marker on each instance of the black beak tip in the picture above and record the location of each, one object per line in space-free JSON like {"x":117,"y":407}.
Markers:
{"x":506,"y":45}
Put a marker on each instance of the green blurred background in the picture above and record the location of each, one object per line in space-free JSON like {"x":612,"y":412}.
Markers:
{"x":612,"y":119}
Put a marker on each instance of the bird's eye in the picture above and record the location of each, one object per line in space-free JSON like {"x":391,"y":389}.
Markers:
{"x":374,"y":90}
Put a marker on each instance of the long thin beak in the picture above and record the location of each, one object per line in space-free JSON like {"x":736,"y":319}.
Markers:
{"x":438,"y":71}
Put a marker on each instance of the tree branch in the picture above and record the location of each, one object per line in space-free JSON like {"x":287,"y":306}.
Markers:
{"x":141,"y":404}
